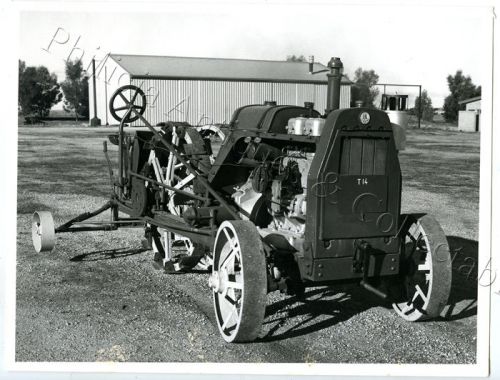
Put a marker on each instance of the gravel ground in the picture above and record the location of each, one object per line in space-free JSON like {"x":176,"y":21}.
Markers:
{"x":97,"y":297}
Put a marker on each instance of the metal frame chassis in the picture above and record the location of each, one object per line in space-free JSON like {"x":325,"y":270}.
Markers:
{"x":159,"y":219}
{"x":175,"y":224}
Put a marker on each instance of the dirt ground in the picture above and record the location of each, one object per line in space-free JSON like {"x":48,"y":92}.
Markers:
{"x":97,"y":296}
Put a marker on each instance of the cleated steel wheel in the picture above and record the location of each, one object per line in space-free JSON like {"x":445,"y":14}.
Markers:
{"x":425,"y":269}
{"x":239,"y":281}
{"x":180,"y":253}
{"x":43,"y":232}
{"x":215,"y":135}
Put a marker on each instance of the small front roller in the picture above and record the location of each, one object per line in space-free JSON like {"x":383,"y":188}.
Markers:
{"x":426,"y":270}
{"x":239,"y":281}
{"x":43,"y":231}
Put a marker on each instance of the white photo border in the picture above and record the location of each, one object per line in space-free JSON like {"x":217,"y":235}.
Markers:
{"x":8,"y":261}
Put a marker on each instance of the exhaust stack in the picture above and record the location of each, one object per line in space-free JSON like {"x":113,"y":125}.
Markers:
{"x":311,"y":64}
{"x":334,"y":78}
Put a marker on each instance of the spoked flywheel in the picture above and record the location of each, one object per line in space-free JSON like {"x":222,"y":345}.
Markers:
{"x":425,"y":270}
{"x":239,"y":281}
{"x":123,"y":100}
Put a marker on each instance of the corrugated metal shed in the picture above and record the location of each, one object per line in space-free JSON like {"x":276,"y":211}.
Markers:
{"x":208,"y":90}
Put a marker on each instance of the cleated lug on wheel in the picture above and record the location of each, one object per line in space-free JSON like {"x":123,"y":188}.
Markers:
{"x":427,"y":271}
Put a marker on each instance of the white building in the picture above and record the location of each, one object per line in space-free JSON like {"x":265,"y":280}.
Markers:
{"x":470,"y":119}
{"x":208,"y":90}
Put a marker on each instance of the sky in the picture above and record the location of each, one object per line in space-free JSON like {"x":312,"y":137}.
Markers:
{"x":403,"y":44}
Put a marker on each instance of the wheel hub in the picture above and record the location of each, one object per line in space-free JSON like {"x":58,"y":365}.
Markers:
{"x":218,"y":281}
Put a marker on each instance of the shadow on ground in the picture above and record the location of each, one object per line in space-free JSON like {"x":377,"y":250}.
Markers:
{"x":329,"y":310}
{"x":329,"y":307}
{"x":463,"y":297}
{"x":108,"y":254}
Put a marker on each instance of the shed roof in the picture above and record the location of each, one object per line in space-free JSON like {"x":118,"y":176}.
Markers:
{"x":228,"y":69}
{"x":470,"y":100}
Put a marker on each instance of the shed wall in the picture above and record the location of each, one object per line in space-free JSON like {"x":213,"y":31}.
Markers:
{"x":203,"y":102}
{"x":469,"y":121}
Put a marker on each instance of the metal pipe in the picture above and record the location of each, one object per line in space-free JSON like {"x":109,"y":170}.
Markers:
{"x":397,"y":84}
{"x":178,"y":227}
{"x":108,"y":222}
{"x":110,"y":169}
{"x":419,"y":104}
{"x":84,"y":216}
{"x":120,"y":154}
{"x":109,"y":227}
{"x":120,"y":151}
{"x":106,"y":93}
{"x":114,"y":211}
{"x":311,"y":64}
{"x":94,"y":89}
{"x":334,"y":79}
{"x":365,"y":284}
{"x":167,"y":221}
{"x":168,"y":187}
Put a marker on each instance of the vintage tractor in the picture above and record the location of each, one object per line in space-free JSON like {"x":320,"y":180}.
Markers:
{"x":292,"y":199}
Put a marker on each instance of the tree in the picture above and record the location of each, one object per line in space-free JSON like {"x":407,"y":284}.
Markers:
{"x":76,"y":89}
{"x":461,"y":88}
{"x":296,"y":58}
{"x":22,"y":67}
{"x":364,"y":87}
{"x":38,"y":90}
{"x":426,"y":110}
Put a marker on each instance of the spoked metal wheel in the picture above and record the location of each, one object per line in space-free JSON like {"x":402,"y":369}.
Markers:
{"x":239,"y":281}
{"x":43,"y":232}
{"x":426,"y":270}
{"x":181,"y":254}
{"x":176,"y":174}
{"x":216,"y":137}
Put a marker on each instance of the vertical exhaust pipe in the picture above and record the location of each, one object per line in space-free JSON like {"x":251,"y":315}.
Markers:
{"x":311,"y":64}
{"x":334,"y":79}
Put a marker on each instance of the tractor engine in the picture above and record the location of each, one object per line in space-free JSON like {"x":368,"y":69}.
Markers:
{"x":275,"y":193}
{"x":319,"y":188}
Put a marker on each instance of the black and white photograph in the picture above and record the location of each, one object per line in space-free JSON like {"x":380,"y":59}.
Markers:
{"x":251,"y":188}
